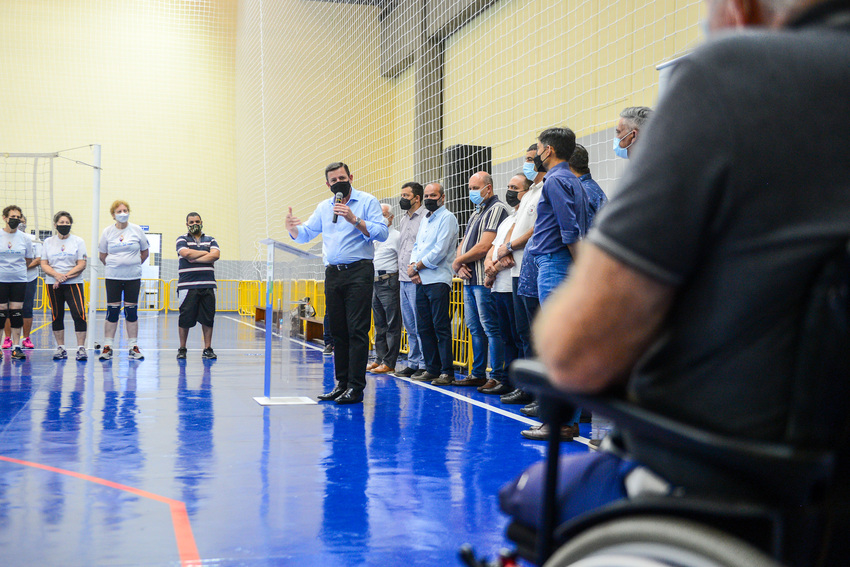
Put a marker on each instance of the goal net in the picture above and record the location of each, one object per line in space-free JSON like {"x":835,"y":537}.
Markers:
{"x":26,"y":180}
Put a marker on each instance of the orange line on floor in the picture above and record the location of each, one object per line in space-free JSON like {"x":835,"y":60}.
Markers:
{"x":179,"y":517}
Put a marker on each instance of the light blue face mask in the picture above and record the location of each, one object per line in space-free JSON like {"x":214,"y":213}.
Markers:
{"x":528,"y":170}
{"x":622,"y":152}
{"x":475,"y":196}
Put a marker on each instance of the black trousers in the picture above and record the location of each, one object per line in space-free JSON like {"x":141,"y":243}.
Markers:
{"x":348,"y":304}
{"x":434,"y":326}
{"x":386,"y":308}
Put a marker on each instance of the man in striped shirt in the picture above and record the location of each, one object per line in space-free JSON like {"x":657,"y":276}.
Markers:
{"x":196,"y":283}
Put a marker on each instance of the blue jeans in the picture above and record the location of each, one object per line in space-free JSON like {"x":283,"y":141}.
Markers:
{"x":552,"y":269}
{"x":415,"y":359}
{"x":504,"y":303}
{"x":479,"y":314}
{"x":525,"y":308}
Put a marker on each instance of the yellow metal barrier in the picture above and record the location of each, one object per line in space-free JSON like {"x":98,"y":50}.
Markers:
{"x":228,"y":296}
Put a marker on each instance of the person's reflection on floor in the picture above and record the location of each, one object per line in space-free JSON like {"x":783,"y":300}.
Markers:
{"x":194,"y":433}
{"x":15,"y":423}
{"x":119,"y":457}
{"x":345,"y":519}
{"x":60,"y":431}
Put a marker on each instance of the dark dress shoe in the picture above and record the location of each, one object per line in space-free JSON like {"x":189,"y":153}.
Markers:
{"x":498,"y":390}
{"x":531,"y":410}
{"x":444,"y":380}
{"x":333,"y":394}
{"x":351,"y":396}
{"x":425,"y":377}
{"x":541,"y":432}
{"x":406,"y":373}
{"x":517,"y":397}
{"x":488,"y":384}
{"x":471,"y":381}
{"x":418,"y":373}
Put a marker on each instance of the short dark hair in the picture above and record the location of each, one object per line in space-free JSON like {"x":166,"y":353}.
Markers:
{"x":334,"y":166}
{"x":580,"y":160}
{"x":193,"y":214}
{"x":61,"y":214}
{"x":532,"y":147}
{"x":415,"y":188}
{"x":562,"y":140}
{"x":12,"y":208}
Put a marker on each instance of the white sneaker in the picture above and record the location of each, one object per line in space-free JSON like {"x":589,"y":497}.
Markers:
{"x":106,"y":353}
{"x":82,"y":354}
{"x":60,"y":353}
{"x":136,"y":354}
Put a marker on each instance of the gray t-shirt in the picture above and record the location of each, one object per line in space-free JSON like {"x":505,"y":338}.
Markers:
{"x":738,"y":191}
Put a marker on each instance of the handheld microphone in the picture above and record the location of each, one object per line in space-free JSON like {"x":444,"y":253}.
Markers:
{"x":337,"y":199}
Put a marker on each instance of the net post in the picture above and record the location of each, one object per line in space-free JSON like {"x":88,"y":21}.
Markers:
{"x":94,"y":257}
{"x":269,"y":317}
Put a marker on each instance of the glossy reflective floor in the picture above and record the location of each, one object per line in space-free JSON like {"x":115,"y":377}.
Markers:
{"x":158,"y":462}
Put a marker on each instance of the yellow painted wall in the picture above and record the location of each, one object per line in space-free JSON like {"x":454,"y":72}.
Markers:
{"x":525,"y":65}
{"x":152,"y":82}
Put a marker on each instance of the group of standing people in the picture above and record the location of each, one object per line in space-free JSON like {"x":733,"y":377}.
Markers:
{"x":123,"y":248}
{"x":511,"y":257}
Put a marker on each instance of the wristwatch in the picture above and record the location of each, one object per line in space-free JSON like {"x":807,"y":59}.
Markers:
{"x":357,"y":221}
{"x":509,"y":247}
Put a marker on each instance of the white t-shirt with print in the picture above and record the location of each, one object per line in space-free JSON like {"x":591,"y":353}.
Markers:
{"x":15,"y":247}
{"x":124,"y":247}
{"x":525,"y":216}
{"x":62,"y":255}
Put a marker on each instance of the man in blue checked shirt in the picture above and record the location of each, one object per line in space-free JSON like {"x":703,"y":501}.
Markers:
{"x":430,"y":269}
{"x":348,"y":224}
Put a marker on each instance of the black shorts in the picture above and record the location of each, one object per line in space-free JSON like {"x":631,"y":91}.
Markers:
{"x":12,"y":292}
{"x":196,"y":306}
{"x":129,"y":287}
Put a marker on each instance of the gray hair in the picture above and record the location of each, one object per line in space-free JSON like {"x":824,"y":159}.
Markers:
{"x":636,"y":116}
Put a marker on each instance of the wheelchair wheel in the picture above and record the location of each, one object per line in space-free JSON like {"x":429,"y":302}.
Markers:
{"x":657,"y":541}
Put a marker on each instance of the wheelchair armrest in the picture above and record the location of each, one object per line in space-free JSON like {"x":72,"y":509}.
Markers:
{"x":779,"y":471}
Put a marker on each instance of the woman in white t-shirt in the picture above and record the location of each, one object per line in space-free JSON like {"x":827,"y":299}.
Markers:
{"x":123,"y":247}
{"x":63,"y":261}
{"x":29,"y":294}
{"x":16,"y":252}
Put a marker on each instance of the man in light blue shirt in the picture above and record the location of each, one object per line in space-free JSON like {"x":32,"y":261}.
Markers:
{"x":431,"y":269}
{"x":349,"y":223}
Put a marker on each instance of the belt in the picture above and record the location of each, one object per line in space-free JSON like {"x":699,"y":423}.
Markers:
{"x":384,"y":276}
{"x":341,"y":267}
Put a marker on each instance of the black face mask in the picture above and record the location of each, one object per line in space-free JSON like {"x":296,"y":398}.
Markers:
{"x":13,"y":223}
{"x":538,"y":165}
{"x":511,"y":198}
{"x":432,"y":204}
{"x":404,"y":204}
{"x":343,"y":187}
{"x":63,"y":229}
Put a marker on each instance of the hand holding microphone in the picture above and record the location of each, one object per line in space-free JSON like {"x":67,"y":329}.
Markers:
{"x":337,"y":200}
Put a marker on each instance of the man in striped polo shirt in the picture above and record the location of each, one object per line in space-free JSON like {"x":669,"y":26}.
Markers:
{"x":196,"y":283}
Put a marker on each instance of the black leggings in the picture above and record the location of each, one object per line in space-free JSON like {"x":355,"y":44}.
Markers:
{"x":73,"y":295}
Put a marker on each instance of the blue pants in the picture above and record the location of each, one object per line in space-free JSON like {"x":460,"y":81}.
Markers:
{"x":435,"y":327}
{"x":504,"y":303}
{"x":552,"y":269}
{"x":479,"y":314}
{"x":525,"y":308}
{"x":415,"y":359}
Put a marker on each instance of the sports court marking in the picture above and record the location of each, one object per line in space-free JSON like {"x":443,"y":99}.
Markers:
{"x":186,"y":547}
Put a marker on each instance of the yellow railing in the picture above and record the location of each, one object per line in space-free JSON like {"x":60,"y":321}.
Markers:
{"x":252,"y":293}
{"x":227,"y":296}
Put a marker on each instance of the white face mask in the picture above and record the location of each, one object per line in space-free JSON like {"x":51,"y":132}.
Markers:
{"x":122,"y":217}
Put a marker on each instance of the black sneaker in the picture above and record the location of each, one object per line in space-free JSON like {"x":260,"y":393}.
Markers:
{"x":329,"y":350}
{"x":209,"y":354}
{"x":181,"y":353}
{"x":18,"y":354}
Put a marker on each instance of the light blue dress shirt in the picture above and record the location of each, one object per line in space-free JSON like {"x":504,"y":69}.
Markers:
{"x":435,"y":247}
{"x":342,"y":242}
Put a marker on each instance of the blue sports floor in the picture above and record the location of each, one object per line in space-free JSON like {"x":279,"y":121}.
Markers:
{"x":156,"y":462}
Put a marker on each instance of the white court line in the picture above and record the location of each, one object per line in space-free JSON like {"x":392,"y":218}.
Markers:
{"x":488,"y":407}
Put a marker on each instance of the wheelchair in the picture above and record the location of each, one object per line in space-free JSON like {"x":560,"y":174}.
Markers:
{"x":739,"y":503}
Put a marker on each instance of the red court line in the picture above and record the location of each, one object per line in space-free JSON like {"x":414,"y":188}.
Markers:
{"x":180,"y":518}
